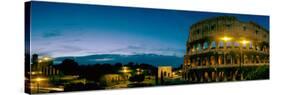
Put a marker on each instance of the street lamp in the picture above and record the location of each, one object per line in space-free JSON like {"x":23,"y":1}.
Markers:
{"x":139,"y":71}
{"x":125,"y":69}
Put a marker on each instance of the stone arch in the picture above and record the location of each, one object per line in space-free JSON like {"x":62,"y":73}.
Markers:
{"x":206,"y":76}
{"x":246,"y":61}
{"x":250,"y":45}
{"x":252,"y":59}
{"x":188,"y":61}
{"x":203,"y":61}
{"x":237,"y":59}
{"x":264,"y":48}
{"x":207,"y":61}
{"x":229,"y":44}
{"x":199,"y":47}
{"x":213,"y":45}
{"x":205,"y":45}
{"x":212,"y":60}
{"x":236,"y":44}
{"x":220,"y":59}
{"x":193,"y":62}
{"x":258,"y":59}
{"x":221,"y":44}
{"x":195,"y":76}
{"x":228,"y":59}
{"x":213,"y":74}
{"x":198,"y":61}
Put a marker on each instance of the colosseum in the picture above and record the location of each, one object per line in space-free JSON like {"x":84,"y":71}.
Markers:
{"x":226,"y":49}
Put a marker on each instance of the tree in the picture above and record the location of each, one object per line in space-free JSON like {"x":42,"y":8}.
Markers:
{"x":118,"y":64}
{"x":257,"y":73}
{"x":137,"y":78}
{"x":131,"y":64}
{"x":69,"y":67}
{"x":34,"y":58}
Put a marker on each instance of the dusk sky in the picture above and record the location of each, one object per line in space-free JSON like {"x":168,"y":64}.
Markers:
{"x":75,"y":30}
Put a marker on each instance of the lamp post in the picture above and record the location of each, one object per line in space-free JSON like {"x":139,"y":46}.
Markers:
{"x":125,"y":69}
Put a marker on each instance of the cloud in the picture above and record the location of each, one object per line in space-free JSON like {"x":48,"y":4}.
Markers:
{"x":135,"y":47}
{"x":60,"y":50}
{"x":50,"y":34}
{"x":104,"y":59}
{"x":71,"y":48}
{"x":170,"y":49}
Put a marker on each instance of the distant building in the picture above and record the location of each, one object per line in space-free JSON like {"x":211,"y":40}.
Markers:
{"x":43,"y":66}
{"x":112,"y":79}
{"x":165,"y":71}
{"x":41,"y":75}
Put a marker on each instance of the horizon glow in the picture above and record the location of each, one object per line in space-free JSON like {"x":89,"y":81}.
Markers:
{"x":59,"y":29}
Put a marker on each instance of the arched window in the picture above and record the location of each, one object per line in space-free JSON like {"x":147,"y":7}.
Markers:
{"x":257,"y":48}
{"x":213,"y":44}
{"x":228,"y":59}
{"x":264,"y":48}
{"x":236,"y":44}
{"x":221,"y":44}
{"x":229,"y":44}
{"x":213,"y":27}
{"x":220,"y":60}
{"x":212,"y":60}
{"x":245,"y":59}
{"x":199,"y":47}
{"x":205,"y":45}
{"x":193,"y":49}
{"x":250,"y":45}
{"x":244,"y":28}
{"x":244,"y":45}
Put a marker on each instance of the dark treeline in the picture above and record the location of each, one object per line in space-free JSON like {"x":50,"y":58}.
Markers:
{"x":96,"y":71}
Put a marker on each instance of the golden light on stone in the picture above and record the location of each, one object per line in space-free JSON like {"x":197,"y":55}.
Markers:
{"x":33,"y":73}
{"x":125,"y":69}
{"x":245,"y":42}
{"x":225,"y":38}
{"x":46,"y":58}
{"x":39,"y":79}
{"x":221,"y":47}
{"x":40,"y":61}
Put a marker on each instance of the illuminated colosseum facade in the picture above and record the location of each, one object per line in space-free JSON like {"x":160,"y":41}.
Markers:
{"x":223,"y":49}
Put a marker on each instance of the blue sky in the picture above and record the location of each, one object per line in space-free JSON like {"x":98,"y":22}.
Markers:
{"x":59,"y":29}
